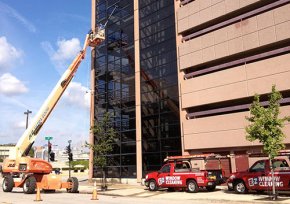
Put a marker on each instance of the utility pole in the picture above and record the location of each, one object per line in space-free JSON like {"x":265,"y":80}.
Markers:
{"x":27,"y":114}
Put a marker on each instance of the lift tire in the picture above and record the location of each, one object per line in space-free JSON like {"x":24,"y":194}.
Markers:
{"x":29,"y":185}
{"x":75,"y":185}
{"x":192,"y":186}
{"x":8,"y":183}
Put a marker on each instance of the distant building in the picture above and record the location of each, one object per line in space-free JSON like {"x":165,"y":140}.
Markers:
{"x":4,"y":150}
{"x":60,"y":154}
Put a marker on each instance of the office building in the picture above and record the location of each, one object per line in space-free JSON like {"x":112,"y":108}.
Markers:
{"x":179,"y":76}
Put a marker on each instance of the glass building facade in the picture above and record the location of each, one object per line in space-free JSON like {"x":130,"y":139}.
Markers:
{"x":159,"y":89}
{"x":115,"y":84}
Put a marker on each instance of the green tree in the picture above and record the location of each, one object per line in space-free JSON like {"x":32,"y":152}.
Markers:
{"x":105,"y":136}
{"x":266,"y":126}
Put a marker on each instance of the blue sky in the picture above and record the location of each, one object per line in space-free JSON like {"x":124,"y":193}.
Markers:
{"x":38,"y":40}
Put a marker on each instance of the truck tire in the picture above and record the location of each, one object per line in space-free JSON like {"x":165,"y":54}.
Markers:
{"x":192,"y":186}
{"x":75,"y":185}
{"x":240,"y":187}
{"x":152,"y":185}
{"x":8,"y":183}
{"x":29,"y":185}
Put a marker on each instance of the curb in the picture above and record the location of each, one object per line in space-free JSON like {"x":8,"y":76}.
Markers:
{"x":249,"y":198}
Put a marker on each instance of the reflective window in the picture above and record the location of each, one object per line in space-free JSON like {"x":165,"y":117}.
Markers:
{"x":165,"y":169}
{"x":159,"y":89}
{"x":115,"y":84}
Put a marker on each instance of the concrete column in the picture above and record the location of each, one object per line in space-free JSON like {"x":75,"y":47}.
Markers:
{"x":180,"y":77}
{"x":233,"y":161}
{"x":138,"y":93}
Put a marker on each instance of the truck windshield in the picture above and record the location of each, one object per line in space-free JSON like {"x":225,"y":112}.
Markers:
{"x":258,"y":166}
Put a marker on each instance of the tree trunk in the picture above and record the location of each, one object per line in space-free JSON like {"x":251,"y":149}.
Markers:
{"x":104,"y":183}
{"x":273,"y":180}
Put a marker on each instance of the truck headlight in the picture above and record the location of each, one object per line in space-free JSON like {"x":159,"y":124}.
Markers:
{"x":232,"y":177}
{"x":146,"y":177}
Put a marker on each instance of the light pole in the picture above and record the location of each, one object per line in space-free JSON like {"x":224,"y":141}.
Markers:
{"x":27,"y":113}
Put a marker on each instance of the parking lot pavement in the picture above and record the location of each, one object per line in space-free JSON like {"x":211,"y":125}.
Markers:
{"x":220,"y":195}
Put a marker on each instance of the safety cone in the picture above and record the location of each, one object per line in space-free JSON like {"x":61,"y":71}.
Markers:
{"x":95,"y":193}
{"x":38,"y":198}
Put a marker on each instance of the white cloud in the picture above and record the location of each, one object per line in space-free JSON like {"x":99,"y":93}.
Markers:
{"x":5,"y":9}
{"x":19,"y":125}
{"x":77,"y":95}
{"x":10,"y":85}
{"x":66,"y":51}
{"x":8,"y":54}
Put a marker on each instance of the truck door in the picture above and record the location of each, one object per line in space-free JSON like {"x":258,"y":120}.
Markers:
{"x":256,"y":176}
{"x":281,"y":177}
{"x":163,"y":173}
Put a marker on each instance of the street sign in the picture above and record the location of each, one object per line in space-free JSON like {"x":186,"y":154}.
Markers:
{"x":48,"y":138}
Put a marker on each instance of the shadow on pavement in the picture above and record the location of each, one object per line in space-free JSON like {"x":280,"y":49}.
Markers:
{"x":270,"y":199}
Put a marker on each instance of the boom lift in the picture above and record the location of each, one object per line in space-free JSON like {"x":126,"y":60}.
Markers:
{"x":19,"y":170}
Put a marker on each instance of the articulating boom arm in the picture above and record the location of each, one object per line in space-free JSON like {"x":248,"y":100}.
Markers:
{"x":30,"y":133}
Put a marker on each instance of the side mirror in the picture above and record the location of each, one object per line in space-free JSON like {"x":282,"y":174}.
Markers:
{"x":159,"y":172}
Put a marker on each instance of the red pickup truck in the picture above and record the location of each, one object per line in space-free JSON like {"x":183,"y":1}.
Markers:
{"x":259,"y":177}
{"x":179,"y":175}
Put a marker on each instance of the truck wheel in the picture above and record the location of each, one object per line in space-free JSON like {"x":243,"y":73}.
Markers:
{"x":210,"y":188}
{"x":29,"y":185}
{"x":192,"y":186}
{"x":152,"y":185}
{"x":8,"y":183}
{"x":240,"y":187}
{"x":74,"y":185}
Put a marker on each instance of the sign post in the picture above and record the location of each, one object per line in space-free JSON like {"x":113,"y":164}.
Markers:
{"x":48,"y":138}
